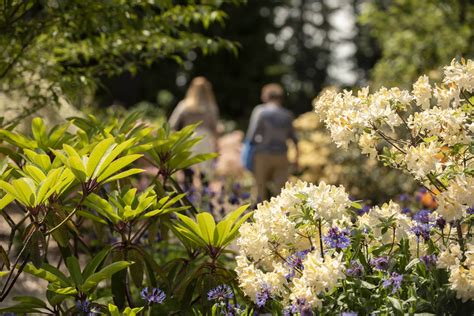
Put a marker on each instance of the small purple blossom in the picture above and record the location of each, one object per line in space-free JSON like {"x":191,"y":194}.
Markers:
{"x":156,"y":296}
{"x":440,"y":223}
{"x":350,"y":313}
{"x":263,"y":295}
{"x":380,"y":263}
{"x":421,"y":230}
{"x":365,"y":209}
{"x":429,"y":260}
{"x":470,"y":210}
{"x":300,"y":307}
{"x":395,"y":281}
{"x":295,"y":262}
{"x":404,"y":197}
{"x":423,"y":216}
{"x":355,"y":270}
{"x":233,"y":199}
{"x":406,"y":210}
{"x":220,"y":293}
{"x":337,"y":239}
{"x":83,"y":306}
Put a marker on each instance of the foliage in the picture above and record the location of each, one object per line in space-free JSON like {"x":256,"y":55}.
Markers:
{"x":417,"y":36}
{"x":62,"y":47}
{"x":312,"y":249}
{"x":76,"y":191}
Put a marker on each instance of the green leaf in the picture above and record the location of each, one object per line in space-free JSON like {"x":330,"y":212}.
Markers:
{"x":41,"y":160}
{"x":207,"y":225}
{"x":48,"y":273}
{"x":137,"y":269}
{"x":114,"y":311}
{"x":70,"y":290}
{"x":77,"y":167}
{"x":91,"y":216}
{"x":117,"y":165}
{"x":74,"y":270}
{"x":105,"y":273}
{"x":395,"y":303}
{"x":4,"y":201}
{"x":24,"y":191}
{"x":124,"y":174}
{"x":39,"y":130}
{"x":30,"y":300}
{"x":92,"y":266}
{"x":97,"y":156}
{"x":119,"y":288}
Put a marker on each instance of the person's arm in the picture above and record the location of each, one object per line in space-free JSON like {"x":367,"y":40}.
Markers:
{"x":176,"y":116}
{"x":253,"y":124}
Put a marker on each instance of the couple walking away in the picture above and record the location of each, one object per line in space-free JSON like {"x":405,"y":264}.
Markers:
{"x":270,"y":127}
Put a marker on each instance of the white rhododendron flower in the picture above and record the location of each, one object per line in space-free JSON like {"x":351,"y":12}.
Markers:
{"x":288,"y":226}
{"x":461,"y":75}
{"x":422,"y":159}
{"x":422,"y":92}
{"x":458,"y":197}
{"x":447,"y":124}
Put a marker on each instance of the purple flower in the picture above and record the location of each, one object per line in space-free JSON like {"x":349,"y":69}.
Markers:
{"x":337,"y":239}
{"x":301,"y":308}
{"x":470,"y":210}
{"x":422,"y":230}
{"x":406,"y":210}
{"x":263,"y":295}
{"x":156,"y":296}
{"x":295,"y":262}
{"x":440,"y":223}
{"x":245,"y":196}
{"x":380,"y":263}
{"x":395,"y":281}
{"x":423,"y":216}
{"x":83,"y":306}
{"x":429,"y":260}
{"x":220,"y":293}
{"x":233,"y":199}
{"x":404,"y":197}
{"x":365,"y":209}
{"x":355,"y":270}
{"x":350,"y":313}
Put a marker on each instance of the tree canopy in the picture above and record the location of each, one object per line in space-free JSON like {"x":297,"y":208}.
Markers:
{"x":51,"y":48}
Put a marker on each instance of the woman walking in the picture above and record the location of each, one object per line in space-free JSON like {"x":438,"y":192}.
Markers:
{"x":199,"y":105}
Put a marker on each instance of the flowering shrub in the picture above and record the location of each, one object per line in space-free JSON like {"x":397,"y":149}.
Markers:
{"x":311,"y":249}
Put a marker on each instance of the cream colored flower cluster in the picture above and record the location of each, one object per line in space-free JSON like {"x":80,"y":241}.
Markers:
{"x":427,"y":132}
{"x":285,"y":237}
{"x":461,"y":273}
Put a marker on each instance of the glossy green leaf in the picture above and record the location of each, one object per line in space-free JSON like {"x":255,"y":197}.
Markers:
{"x":207,"y":225}
{"x":48,"y":273}
{"x":98,"y":156}
{"x":94,"y":264}
{"x":106,"y":273}
{"x":74,"y":270}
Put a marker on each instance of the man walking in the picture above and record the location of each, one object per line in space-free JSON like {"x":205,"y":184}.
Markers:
{"x":270,"y":127}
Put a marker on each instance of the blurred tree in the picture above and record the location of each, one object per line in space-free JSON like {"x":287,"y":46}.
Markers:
{"x":288,"y":41}
{"x":57,"y":47}
{"x":417,"y":36}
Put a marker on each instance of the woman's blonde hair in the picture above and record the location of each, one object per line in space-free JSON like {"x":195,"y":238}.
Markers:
{"x":200,"y":97}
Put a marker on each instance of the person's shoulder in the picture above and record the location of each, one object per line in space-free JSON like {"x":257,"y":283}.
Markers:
{"x":258,"y":109}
